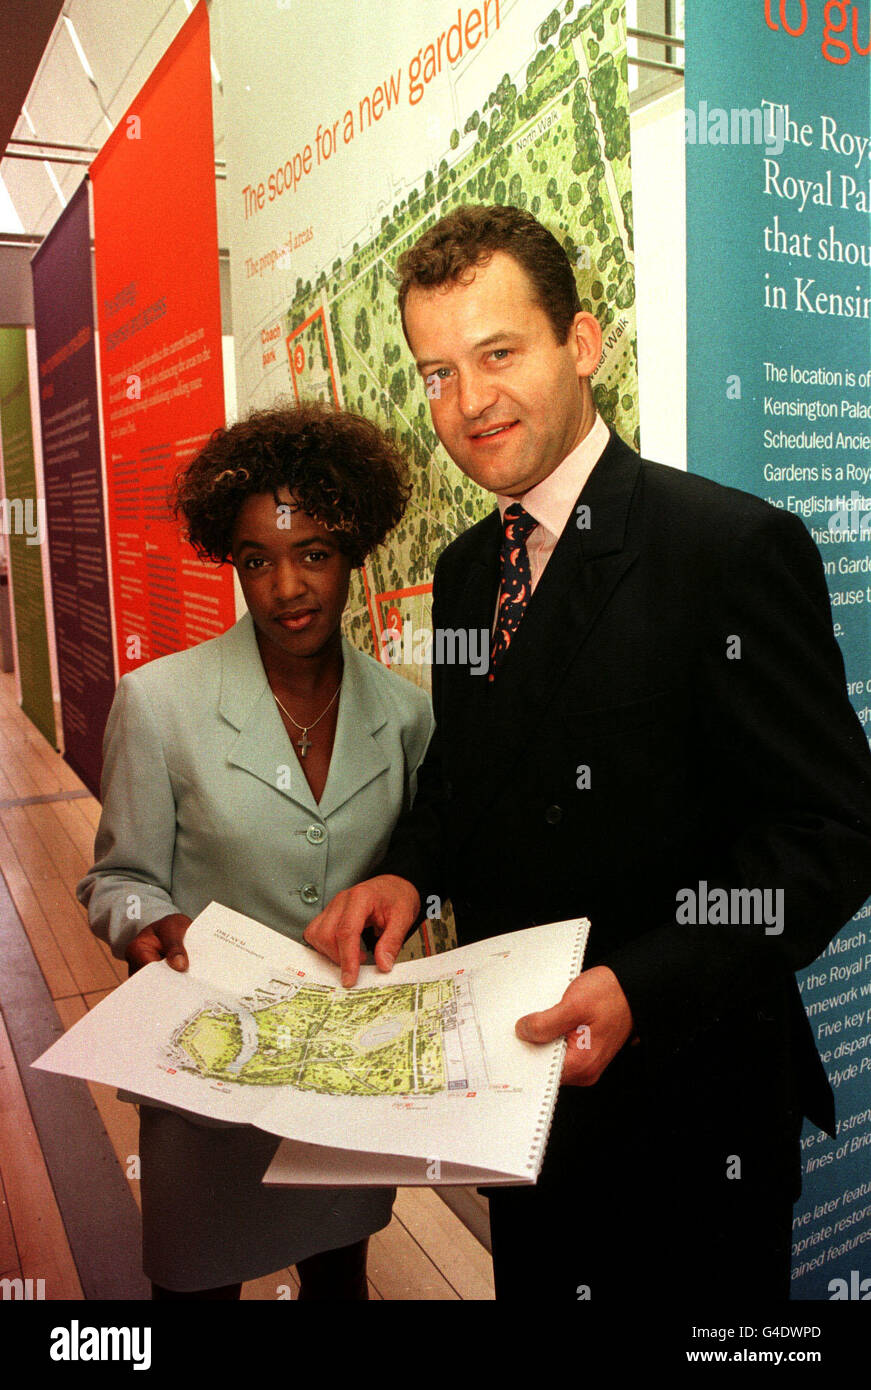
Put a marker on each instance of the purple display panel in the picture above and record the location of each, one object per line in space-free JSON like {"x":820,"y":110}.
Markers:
{"x":63,"y":304}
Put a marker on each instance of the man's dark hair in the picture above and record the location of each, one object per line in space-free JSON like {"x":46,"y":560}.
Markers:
{"x":468,"y":237}
{"x":341,"y":469}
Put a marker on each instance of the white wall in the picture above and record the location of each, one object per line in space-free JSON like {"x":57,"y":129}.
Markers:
{"x":658,"y":195}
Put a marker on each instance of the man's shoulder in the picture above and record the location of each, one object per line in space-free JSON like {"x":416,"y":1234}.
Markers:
{"x":709,"y":512}
{"x":678,"y":487}
{"x":664,"y":494}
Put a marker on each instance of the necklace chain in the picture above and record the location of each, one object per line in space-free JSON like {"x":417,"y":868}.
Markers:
{"x":304,"y":744}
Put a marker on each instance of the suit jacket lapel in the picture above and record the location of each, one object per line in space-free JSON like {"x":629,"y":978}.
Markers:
{"x":590,"y":558}
{"x":263,"y":748}
{"x":357,"y":754}
{"x":247,"y":703}
{"x":586,"y":566}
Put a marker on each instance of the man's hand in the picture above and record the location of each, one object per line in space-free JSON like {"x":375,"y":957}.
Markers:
{"x":163,"y":939}
{"x":387,"y":903}
{"x":596,"y":1000}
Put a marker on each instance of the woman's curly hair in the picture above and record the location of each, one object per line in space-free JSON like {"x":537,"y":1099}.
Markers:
{"x":341,"y":469}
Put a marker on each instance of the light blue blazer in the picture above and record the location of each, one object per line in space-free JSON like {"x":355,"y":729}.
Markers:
{"x":203,"y":797}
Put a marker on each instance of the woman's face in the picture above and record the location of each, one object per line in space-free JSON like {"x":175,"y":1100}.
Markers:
{"x":294,"y":576}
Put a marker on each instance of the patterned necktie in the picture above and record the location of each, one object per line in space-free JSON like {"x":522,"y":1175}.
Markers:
{"x":516,"y":586}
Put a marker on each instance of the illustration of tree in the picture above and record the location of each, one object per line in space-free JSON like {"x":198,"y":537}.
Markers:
{"x":550,"y":26}
{"x":626,"y":205}
{"x":613,"y":115}
{"x":362,"y":336}
{"x":335,"y":328}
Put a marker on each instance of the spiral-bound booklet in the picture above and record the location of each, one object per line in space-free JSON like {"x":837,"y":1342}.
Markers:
{"x":411,"y":1077}
{"x":485,"y":1100}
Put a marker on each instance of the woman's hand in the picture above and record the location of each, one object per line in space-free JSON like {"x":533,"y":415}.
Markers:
{"x":162,"y":940}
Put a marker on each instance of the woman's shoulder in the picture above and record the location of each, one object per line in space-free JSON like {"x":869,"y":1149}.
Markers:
{"x":172,"y":674}
{"x":405,"y":698}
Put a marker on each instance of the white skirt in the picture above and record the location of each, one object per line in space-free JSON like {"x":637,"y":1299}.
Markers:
{"x":208,"y":1220}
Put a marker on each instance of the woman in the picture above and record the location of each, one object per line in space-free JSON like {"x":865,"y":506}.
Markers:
{"x":264,"y":769}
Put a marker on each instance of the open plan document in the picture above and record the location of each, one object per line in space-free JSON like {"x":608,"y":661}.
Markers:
{"x":415,"y":1076}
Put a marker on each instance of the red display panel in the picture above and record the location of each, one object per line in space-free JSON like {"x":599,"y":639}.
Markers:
{"x":159,"y":316}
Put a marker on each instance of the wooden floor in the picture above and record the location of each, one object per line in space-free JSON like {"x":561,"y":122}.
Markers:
{"x":68,"y":1184}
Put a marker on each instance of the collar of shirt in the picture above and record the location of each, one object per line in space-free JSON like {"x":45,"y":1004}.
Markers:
{"x":552,"y":501}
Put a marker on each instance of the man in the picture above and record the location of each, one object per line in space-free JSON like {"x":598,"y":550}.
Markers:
{"x":665,"y":716}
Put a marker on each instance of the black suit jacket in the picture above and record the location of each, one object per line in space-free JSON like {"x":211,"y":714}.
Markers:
{"x":733,"y":764}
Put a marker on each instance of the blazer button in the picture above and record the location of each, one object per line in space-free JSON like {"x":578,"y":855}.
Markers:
{"x":553,"y":815}
{"x":309,"y":893}
{"x":315,"y":834}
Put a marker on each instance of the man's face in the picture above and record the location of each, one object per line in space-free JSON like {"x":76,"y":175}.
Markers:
{"x":293,"y":575}
{"x":508,"y":401}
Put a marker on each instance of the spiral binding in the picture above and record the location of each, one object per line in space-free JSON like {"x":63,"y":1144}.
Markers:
{"x":541,"y":1133}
